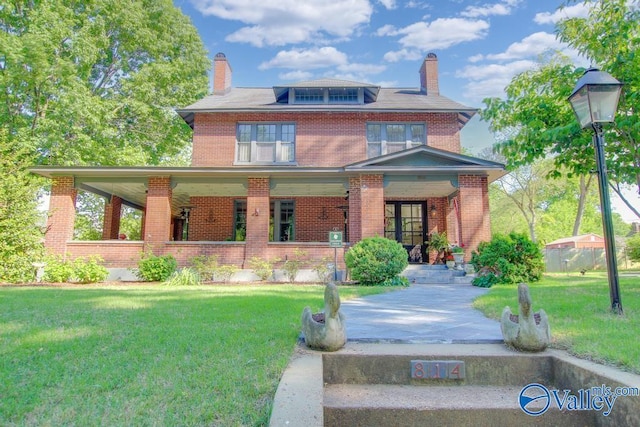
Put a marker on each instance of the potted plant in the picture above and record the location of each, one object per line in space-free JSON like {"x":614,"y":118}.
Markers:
{"x":449,"y":259}
{"x":438,"y":243}
{"x":458,"y":254}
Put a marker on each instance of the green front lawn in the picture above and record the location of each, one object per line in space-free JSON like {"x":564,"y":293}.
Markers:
{"x":579,"y":313}
{"x":148,"y":354}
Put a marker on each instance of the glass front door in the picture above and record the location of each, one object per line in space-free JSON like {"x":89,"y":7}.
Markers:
{"x":405,"y":222}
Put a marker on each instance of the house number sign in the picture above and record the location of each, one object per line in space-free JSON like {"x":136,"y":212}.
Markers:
{"x":437,"y":369}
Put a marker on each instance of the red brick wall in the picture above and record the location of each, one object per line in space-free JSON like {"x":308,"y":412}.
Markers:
{"x":111,"y":224}
{"x":157,"y":225}
{"x":372,"y":208}
{"x":257,"y":217}
{"x":317,"y":216}
{"x":474,"y":211}
{"x":317,"y":134}
{"x":211,"y":218}
{"x":62,"y":214}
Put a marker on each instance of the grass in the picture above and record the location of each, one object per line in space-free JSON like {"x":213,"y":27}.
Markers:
{"x":579,"y":314}
{"x":148,"y":354}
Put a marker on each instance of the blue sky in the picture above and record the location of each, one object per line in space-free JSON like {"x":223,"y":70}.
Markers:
{"x":480,"y":45}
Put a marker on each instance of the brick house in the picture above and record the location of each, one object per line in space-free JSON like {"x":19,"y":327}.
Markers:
{"x":278,"y":168}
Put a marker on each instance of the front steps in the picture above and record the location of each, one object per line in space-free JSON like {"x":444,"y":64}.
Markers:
{"x":434,"y":274}
{"x":371,"y":385}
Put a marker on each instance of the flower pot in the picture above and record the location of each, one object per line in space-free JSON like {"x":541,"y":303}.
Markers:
{"x":459,"y":258}
{"x":451,"y":264}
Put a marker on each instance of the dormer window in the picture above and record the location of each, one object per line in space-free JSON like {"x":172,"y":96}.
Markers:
{"x":309,"y":96}
{"x":332,"y":95}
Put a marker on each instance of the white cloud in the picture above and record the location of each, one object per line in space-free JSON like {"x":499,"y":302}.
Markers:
{"x":530,"y":46}
{"x":490,"y":80}
{"x":387,"y":30}
{"x":279,"y":22}
{"x":297,"y":75}
{"x":439,"y":34}
{"x":389,"y":4}
{"x":301,"y":59}
{"x":402,"y":54}
{"x":499,"y":9}
{"x":576,"y":11}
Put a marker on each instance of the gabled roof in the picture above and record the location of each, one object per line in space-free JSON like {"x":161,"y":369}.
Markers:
{"x":425,"y":159}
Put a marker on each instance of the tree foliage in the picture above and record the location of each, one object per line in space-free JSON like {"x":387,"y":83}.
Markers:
{"x":536,"y":121}
{"x":96,"y":82}
{"x":20,"y":222}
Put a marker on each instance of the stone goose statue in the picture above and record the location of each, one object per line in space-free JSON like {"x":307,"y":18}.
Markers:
{"x":527,"y":331}
{"x":325,"y":330}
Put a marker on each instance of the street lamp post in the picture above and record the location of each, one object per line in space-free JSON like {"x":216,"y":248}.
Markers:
{"x":595,"y":101}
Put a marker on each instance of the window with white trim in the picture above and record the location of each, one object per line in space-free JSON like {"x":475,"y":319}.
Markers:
{"x":265,"y":143}
{"x":386,"y":138}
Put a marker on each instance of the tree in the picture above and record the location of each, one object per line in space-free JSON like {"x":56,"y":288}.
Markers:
{"x":536,"y":121}
{"x":96,"y":83}
{"x":19,"y":244}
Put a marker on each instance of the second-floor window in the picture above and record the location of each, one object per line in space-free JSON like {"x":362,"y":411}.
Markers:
{"x":386,"y":138}
{"x":265,"y":142}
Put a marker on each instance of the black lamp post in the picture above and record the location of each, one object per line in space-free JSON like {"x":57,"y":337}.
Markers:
{"x":595,"y":101}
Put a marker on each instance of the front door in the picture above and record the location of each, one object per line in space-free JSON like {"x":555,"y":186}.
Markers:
{"x":405,"y":222}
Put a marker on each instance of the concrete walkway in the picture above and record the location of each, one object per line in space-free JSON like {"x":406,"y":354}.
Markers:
{"x":421,"y":313}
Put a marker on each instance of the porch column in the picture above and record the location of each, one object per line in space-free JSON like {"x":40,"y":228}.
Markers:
{"x":111,"y":223}
{"x":62,"y":215}
{"x":157,"y":218}
{"x":257,"y":219}
{"x":474,"y":211}
{"x":366,"y":207}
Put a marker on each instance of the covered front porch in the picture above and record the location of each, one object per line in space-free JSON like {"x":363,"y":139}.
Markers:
{"x":272,"y":212}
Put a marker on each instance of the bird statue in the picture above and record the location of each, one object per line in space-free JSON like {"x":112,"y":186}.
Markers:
{"x":325,"y":330}
{"x":527,"y":331}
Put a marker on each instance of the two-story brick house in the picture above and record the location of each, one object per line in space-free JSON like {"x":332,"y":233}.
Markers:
{"x":277,"y":168}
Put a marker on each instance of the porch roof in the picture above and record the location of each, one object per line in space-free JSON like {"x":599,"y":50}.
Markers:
{"x":419,"y":172}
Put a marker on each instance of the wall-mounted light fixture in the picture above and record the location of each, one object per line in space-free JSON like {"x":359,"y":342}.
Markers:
{"x":256,"y":212}
{"x":433,"y":211}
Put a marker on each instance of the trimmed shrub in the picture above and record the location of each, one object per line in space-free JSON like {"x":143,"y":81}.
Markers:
{"x":512,"y":258}
{"x":376,"y":260}
{"x":205,"y":266}
{"x":293,"y":264}
{"x":152,"y":268}
{"x":223,"y":273}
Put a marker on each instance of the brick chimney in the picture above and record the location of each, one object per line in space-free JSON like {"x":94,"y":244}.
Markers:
{"x":429,"y":75}
{"x":221,"y":74}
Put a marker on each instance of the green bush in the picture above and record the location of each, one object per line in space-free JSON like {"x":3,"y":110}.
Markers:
{"x":374,"y":260}
{"x":184,"y":277}
{"x":152,"y":268}
{"x":205,"y":266}
{"x":57,"y":270}
{"x":90,"y":270}
{"x":512,"y":258}
{"x":223,"y":273}
{"x":263,"y":268}
{"x":293,"y":264}
{"x":323,"y":270}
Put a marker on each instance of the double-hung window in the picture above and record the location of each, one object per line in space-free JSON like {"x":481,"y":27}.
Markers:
{"x":265,"y":143}
{"x":386,"y":138}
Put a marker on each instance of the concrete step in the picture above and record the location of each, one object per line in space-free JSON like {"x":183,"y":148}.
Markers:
{"x":503,"y":369}
{"x":403,"y":405}
{"x":427,"y":273}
